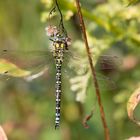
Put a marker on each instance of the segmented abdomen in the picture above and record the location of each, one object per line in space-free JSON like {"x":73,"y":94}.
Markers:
{"x":58,"y":95}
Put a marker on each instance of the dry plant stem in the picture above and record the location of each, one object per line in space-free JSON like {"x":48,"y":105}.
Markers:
{"x":82,"y":25}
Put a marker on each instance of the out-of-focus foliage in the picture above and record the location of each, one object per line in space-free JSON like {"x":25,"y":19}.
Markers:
{"x":133,"y":102}
{"x":134,"y":138}
{"x":133,"y":2}
{"x":27,"y":109}
{"x":6,"y":66}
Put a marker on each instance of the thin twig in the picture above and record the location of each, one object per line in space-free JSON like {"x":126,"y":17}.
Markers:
{"x":82,"y":25}
{"x":61,"y":24}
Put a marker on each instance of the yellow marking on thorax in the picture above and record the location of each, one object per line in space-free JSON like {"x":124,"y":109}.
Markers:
{"x":62,"y":45}
{"x":57,"y":45}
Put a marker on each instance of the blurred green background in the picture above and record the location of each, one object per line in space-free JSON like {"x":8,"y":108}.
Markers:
{"x":27,"y":108}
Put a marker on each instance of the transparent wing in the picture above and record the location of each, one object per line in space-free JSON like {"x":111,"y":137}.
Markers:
{"x":79,"y":84}
{"x":23,"y":63}
{"x":80,"y":67}
{"x":102,"y":63}
{"x":105,"y":82}
{"x":31,"y":64}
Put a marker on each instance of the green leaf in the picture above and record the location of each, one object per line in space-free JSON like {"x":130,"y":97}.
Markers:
{"x":10,"y":69}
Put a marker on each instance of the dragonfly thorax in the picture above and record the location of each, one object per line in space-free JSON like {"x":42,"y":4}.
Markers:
{"x":59,"y":48}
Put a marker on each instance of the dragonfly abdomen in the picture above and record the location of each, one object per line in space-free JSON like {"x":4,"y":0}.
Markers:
{"x":58,"y":95}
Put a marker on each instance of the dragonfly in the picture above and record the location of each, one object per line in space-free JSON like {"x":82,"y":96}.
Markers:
{"x":59,"y":45}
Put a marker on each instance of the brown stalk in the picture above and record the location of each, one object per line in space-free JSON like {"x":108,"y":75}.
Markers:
{"x":82,"y":25}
